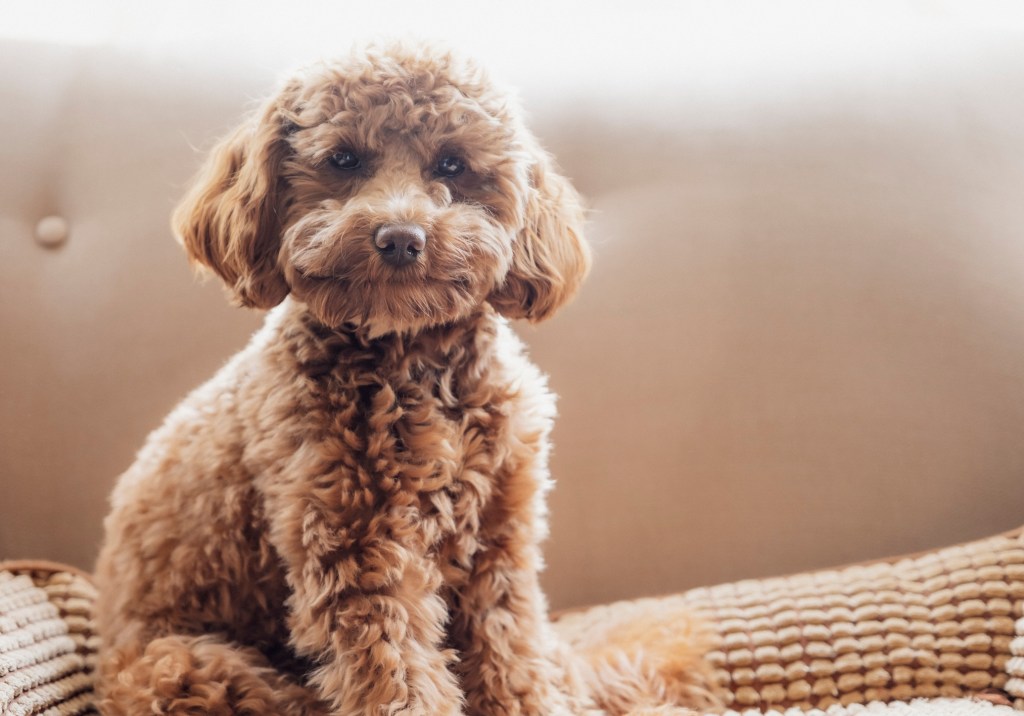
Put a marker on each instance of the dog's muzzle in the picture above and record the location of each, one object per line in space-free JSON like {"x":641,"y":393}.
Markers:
{"x":400,"y":244}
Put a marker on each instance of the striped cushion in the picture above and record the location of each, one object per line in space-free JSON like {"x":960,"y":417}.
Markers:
{"x":47,"y":642}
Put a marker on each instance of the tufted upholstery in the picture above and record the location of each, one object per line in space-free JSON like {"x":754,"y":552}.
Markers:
{"x":806,"y":315}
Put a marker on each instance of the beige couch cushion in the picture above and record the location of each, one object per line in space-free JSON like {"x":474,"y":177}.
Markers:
{"x":947,"y":624}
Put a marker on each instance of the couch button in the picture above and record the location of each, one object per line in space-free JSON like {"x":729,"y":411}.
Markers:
{"x":52,"y":231}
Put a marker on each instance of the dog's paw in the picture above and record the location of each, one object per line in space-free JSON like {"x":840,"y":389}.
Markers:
{"x":424,"y":710}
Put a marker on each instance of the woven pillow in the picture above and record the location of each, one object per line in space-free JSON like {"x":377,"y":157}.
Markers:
{"x":948,"y":623}
{"x":47,"y":642}
{"x":917,"y":707}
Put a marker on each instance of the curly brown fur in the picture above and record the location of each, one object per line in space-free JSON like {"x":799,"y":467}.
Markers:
{"x":346,"y":518}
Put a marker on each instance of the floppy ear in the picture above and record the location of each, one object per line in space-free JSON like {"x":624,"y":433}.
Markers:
{"x":550,"y":257}
{"x":228,"y":221}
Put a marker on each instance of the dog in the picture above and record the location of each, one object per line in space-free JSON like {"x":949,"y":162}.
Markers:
{"x":346,"y":519}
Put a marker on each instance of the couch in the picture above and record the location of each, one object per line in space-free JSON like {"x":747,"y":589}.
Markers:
{"x":802,"y":341}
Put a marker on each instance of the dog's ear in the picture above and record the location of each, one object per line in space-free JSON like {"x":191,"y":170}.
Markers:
{"x":550,"y":257}
{"x":228,"y":221}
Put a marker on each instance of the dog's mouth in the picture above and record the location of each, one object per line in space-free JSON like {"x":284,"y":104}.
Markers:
{"x":404,"y":289}
{"x":343,"y":276}
{"x":384,"y":276}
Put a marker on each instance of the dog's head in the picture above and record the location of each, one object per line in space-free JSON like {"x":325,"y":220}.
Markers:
{"x":397,"y":189}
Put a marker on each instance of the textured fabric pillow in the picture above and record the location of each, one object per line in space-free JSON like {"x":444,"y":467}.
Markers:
{"x":47,"y":641}
{"x":946,"y":623}
{"x":917,"y":707}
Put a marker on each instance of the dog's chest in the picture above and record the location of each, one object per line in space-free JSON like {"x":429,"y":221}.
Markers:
{"x":407,"y":444}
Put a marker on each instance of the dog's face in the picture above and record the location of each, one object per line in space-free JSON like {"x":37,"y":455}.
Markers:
{"x":397,"y":190}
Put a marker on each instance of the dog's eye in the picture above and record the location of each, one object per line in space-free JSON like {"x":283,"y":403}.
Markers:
{"x":345,"y":160}
{"x":450,"y":166}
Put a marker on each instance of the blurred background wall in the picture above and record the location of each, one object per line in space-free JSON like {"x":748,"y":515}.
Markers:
{"x":803,"y":340}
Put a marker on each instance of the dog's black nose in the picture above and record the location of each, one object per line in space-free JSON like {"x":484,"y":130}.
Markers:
{"x":400,"y":244}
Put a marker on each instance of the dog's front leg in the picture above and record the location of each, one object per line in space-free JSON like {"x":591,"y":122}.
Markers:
{"x":510,"y":660}
{"x":365,"y":607}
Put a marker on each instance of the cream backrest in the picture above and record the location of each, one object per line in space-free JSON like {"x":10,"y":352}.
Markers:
{"x":802,"y":342}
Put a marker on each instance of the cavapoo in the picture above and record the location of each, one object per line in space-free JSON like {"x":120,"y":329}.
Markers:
{"x":346,"y":518}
